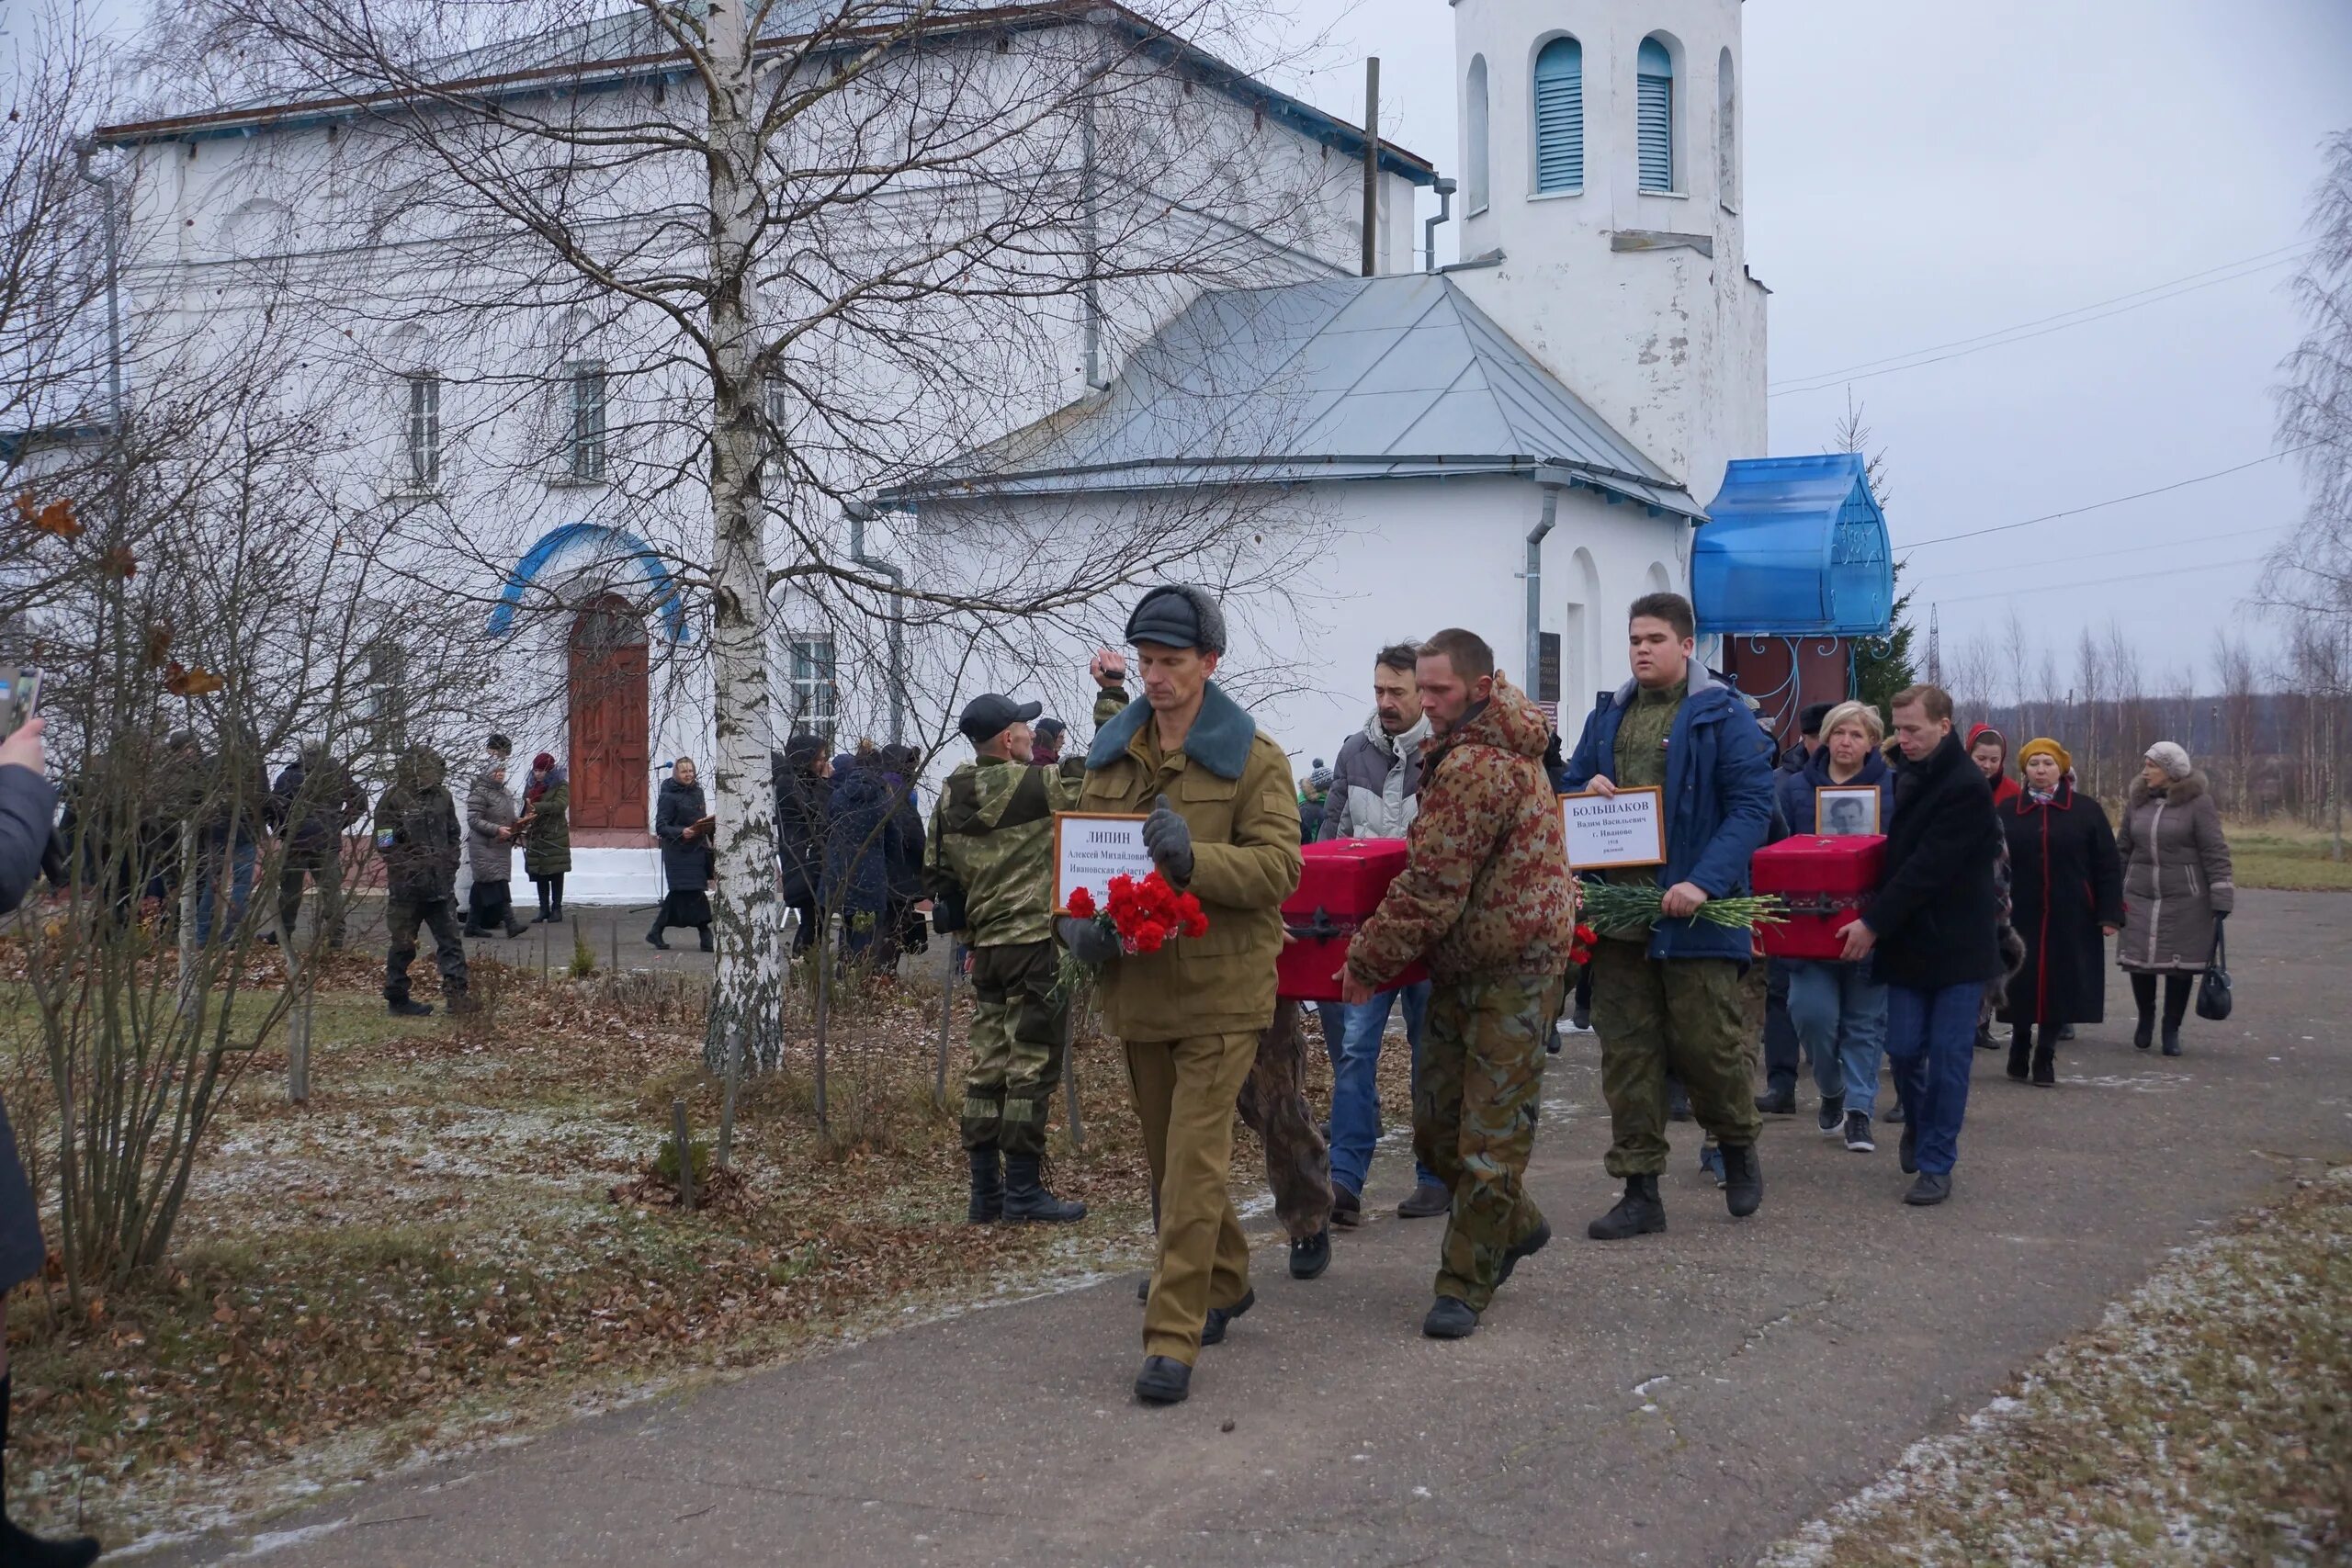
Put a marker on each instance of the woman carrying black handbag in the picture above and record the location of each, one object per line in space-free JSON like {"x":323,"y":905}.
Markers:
{"x":2177,"y":888}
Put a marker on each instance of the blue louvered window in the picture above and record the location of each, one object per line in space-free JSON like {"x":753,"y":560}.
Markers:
{"x":1654,"y":107}
{"x":1559,"y":116}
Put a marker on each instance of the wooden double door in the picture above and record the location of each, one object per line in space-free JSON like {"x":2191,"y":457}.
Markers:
{"x":610,"y":715}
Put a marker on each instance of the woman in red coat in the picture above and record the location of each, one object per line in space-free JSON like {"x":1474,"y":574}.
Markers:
{"x":2066,"y":898}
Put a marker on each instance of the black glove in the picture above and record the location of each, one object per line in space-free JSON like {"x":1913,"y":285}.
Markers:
{"x":1169,"y":841}
{"x":1088,"y":943}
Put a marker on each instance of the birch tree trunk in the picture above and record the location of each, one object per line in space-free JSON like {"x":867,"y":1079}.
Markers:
{"x":746,"y":997}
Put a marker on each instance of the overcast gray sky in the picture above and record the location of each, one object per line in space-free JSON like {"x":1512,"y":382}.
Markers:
{"x":1921,"y":175}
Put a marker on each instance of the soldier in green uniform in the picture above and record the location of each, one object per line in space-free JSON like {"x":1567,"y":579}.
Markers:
{"x":989,"y":861}
{"x":417,"y":837}
{"x":1666,"y":996}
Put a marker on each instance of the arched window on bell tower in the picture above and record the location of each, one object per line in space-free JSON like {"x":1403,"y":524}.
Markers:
{"x":1559,"y":117}
{"x":1654,"y":100}
{"x":1474,"y":117}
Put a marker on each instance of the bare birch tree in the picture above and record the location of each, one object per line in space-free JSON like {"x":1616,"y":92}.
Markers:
{"x":733,"y":267}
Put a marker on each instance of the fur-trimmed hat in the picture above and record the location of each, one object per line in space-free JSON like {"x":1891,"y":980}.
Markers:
{"x":1178,"y":614}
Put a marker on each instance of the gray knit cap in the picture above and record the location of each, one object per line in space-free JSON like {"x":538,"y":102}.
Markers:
{"x":1179,"y":615}
{"x":2172,"y":757}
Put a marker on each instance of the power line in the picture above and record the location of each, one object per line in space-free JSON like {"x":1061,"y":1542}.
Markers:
{"x":2023,"y":331}
{"x":2113,"y":501}
{"x":2141,"y":549}
{"x":2102,"y":581}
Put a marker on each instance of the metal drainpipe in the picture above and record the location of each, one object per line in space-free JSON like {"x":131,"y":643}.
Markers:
{"x":1534,"y":575}
{"x":1429,"y":225}
{"x":82,"y":156}
{"x":859,"y":514}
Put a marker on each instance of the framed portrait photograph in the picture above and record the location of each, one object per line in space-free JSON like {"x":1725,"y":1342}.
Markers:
{"x":1846,"y":811}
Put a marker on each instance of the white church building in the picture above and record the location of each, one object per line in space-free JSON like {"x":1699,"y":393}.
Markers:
{"x":1520,"y":443}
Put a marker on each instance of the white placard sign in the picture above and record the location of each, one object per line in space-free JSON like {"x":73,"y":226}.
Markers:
{"x":1622,"y":829}
{"x":1090,"y":848}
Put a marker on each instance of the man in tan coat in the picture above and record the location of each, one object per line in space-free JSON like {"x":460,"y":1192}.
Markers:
{"x":1223,"y":822}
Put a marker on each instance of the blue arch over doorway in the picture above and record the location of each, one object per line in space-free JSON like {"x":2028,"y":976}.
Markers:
{"x":607,"y":543}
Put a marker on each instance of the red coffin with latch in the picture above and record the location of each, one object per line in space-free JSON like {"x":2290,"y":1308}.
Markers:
{"x":1824,"y":882}
{"x":1341,"y":887}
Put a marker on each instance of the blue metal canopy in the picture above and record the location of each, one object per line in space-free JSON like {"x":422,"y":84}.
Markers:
{"x":1795,"y":545}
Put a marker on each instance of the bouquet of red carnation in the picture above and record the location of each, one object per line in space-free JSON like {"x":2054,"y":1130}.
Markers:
{"x":1580,"y":945}
{"x":1144,"y":915}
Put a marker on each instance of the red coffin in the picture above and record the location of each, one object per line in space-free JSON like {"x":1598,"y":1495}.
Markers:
{"x":1338,"y":891}
{"x":1824,"y":882}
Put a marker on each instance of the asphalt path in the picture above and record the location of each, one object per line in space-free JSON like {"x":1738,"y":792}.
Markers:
{"x":1686,"y":1398}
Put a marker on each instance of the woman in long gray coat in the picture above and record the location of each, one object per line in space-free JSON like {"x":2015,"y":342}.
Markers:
{"x":489,"y":851}
{"x":2177,"y":887}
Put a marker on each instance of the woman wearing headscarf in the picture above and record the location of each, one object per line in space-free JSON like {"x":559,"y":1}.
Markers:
{"x":682,"y":822}
{"x":2177,"y":876}
{"x":1989,"y":750}
{"x":547,"y":834}
{"x":2067,"y":897}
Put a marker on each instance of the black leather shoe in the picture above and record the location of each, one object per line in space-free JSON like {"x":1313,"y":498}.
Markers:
{"x":1536,"y":1241}
{"x":1163,"y":1381}
{"x":1451,"y":1318}
{"x":1638,"y":1212}
{"x":1907,"y":1151}
{"x":1213,"y":1329}
{"x":1743,"y":1181}
{"x":1781,"y":1104}
{"x":2172,"y":1040}
{"x":2145,"y":1034}
{"x":1429,"y":1199}
{"x":406,"y":1009}
{"x":1346,"y":1208}
{"x":1930,"y":1188}
{"x":1309,"y":1256}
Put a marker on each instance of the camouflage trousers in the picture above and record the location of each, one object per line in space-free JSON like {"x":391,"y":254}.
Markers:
{"x":1473,"y":1118}
{"x":1273,"y":1105}
{"x":402,"y":915}
{"x":1661,"y":1015}
{"x":1018,"y":1035}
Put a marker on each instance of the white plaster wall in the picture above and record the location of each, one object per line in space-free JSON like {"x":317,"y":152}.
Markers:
{"x":1668,"y":345}
{"x":1407,"y":557}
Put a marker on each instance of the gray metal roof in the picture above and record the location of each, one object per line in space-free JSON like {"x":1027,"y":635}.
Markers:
{"x":1339,"y":379}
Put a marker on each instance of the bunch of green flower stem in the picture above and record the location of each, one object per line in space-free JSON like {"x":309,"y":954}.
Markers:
{"x":1612,"y":905}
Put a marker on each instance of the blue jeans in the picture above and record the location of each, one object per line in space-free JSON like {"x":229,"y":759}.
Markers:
{"x":1839,"y":1012}
{"x":241,"y":885}
{"x":1780,"y":1034}
{"x":1356,"y":1095}
{"x":1931,"y":1040}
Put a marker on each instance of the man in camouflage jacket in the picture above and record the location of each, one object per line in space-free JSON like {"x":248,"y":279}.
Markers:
{"x":1484,"y":898}
{"x":989,"y":863}
{"x":418,"y":838}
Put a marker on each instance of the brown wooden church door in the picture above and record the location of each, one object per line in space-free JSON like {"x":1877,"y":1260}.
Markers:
{"x":610,"y":704}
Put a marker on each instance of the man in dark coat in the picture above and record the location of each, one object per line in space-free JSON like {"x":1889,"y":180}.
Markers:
{"x":801,"y":772}
{"x":2066,"y":900}
{"x":1933,"y":923}
{"x":313,"y":801}
{"x":903,"y":929}
{"x":418,"y":837}
{"x":682,"y":822}
{"x":857,"y":829}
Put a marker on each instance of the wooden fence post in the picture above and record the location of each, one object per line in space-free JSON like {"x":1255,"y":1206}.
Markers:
{"x":686,"y":1154}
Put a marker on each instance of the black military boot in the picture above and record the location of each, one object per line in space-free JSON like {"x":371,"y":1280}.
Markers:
{"x":987,"y":1187}
{"x":1026,"y":1198}
{"x":403,"y":1006}
{"x":1743,"y":1181}
{"x":1638,"y":1212}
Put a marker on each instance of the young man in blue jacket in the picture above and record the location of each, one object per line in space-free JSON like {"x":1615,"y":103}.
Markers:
{"x":1666,"y":996}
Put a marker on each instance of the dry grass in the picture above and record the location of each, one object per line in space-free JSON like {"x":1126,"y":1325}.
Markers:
{"x":2285,"y":854}
{"x":2208,"y":1419}
{"x":453,"y":1239}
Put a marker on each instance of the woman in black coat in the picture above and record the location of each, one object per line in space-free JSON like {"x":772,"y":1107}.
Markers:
{"x":2066,"y":896}
{"x":680,"y":820}
{"x":802,"y":806}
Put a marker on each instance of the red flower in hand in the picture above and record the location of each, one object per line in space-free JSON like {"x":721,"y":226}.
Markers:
{"x":1081,"y":904}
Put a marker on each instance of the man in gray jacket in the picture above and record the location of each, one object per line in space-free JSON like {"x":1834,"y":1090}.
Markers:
{"x":1375,"y":790}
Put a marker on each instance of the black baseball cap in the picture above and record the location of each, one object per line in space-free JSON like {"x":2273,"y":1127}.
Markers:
{"x":990,"y":714}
